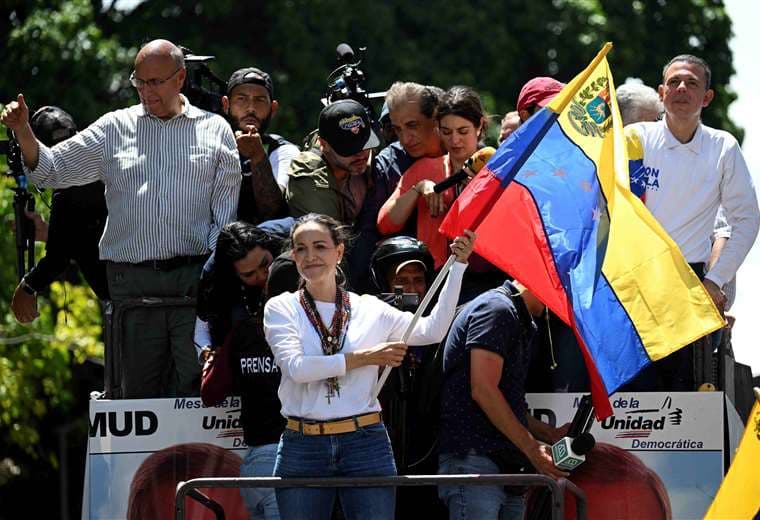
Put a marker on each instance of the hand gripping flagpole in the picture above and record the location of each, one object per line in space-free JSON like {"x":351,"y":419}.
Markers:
{"x":408,"y":332}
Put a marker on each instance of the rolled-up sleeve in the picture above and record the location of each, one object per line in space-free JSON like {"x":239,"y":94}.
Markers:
{"x":282,"y":331}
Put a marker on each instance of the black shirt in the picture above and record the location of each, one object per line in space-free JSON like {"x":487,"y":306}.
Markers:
{"x":77,"y":218}
{"x":257,"y":377}
{"x":492,"y":321}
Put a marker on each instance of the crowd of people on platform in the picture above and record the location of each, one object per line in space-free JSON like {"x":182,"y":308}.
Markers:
{"x":305,"y":267}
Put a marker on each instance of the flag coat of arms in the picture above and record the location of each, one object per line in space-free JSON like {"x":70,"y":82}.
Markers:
{"x":553,"y":208}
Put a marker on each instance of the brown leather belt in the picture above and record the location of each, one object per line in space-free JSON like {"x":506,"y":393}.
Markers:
{"x":347,"y":425}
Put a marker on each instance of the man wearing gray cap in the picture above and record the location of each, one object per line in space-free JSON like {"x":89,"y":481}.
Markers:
{"x":264,"y":158}
{"x":333,"y":181}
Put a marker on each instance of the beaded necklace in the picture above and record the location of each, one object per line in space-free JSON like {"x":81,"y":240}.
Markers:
{"x":332,"y":340}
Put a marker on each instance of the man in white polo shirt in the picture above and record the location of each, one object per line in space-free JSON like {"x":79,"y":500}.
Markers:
{"x":688,"y":170}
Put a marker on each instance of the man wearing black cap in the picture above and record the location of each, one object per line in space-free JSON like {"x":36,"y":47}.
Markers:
{"x":73,"y":237}
{"x":264,"y":158}
{"x":334,"y":181}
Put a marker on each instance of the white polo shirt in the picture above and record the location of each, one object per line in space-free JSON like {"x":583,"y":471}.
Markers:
{"x":686,"y":183}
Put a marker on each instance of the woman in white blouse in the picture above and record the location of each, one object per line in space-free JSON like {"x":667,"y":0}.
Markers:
{"x":329,"y":345}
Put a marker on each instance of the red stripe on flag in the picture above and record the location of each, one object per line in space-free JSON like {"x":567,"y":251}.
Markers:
{"x":512,"y":236}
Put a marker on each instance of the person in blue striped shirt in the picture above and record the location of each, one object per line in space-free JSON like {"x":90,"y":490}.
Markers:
{"x":172,"y":178}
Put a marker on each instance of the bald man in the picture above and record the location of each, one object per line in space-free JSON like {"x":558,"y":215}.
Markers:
{"x":172,"y":180}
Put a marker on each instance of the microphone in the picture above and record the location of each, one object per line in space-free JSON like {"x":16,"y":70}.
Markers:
{"x":569,"y":453}
{"x":474,"y":164}
{"x":345,"y":53}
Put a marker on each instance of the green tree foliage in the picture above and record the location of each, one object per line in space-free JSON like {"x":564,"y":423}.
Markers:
{"x":492,"y":45}
{"x":57,"y":55}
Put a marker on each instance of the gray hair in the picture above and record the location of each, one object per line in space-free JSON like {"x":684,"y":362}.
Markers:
{"x":694,"y":60}
{"x":407,"y":92}
{"x":636,"y":98}
{"x":178,"y":57}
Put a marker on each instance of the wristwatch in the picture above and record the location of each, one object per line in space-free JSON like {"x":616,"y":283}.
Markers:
{"x":28,"y":289}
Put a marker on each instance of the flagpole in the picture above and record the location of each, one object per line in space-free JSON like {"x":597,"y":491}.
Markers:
{"x":417,"y":315}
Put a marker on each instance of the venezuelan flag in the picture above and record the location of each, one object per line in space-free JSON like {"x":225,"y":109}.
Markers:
{"x":553,"y":208}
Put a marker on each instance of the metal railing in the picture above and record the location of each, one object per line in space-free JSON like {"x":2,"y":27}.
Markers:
{"x":556,"y":488}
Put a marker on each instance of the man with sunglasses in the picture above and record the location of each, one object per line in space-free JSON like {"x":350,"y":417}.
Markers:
{"x":172,"y":178}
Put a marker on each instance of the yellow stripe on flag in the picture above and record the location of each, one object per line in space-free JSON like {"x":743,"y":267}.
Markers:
{"x":739,"y":493}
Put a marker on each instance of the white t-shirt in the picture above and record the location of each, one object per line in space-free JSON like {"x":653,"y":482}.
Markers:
{"x":280,"y":161}
{"x":304,"y":367}
{"x":688,"y":182}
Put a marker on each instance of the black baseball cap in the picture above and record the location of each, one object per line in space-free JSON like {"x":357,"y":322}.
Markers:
{"x":51,"y":125}
{"x":346,"y":127}
{"x":251,"y":75}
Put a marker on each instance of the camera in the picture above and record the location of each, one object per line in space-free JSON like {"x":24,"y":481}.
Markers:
{"x":348,"y":81}
{"x":401,"y":300}
{"x":12,"y":152}
{"x":202,"y":87}
{"x":23,"y":201}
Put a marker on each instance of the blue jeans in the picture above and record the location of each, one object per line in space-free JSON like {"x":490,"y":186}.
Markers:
{"x":476,"y":502}
{"x":260,"y":502}
{"x":363,"y":453}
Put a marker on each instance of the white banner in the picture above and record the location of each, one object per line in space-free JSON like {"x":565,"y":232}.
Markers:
{"x":139,"y":449}
{"x":653,"y":421}
{"x":679,"y":436}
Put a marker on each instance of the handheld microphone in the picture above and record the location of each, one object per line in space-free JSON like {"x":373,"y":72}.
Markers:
{"x":474,"y":164}
{"x":569,"y":453}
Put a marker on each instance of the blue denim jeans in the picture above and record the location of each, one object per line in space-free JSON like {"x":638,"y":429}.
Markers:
{"x":363,"y":453}
{"x":260,"y":502}
{"x":476,"y":502}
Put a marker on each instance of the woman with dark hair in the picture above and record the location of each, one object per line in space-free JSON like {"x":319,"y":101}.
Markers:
{"x":329,"y":344}
{"x":230,"y":313}
{"x":461,"y":123}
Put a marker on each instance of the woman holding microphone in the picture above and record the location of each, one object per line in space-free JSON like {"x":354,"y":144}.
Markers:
{"x":330,"y":344}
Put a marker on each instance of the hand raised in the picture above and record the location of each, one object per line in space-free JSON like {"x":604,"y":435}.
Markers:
{"x":462,"y":246}
{"x":250,"y":145}
{"x":15,"y":115}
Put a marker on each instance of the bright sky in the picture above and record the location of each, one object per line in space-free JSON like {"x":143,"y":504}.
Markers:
{"x":744,"y":111}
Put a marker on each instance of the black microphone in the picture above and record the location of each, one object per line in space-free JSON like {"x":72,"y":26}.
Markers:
{"x":583,"y":418}
{"x":473,"y":164}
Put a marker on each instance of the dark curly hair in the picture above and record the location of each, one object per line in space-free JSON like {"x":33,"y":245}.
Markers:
{"x":220,"y":288}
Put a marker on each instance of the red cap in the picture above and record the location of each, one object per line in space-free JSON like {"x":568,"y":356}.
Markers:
{"x":538,"y":91}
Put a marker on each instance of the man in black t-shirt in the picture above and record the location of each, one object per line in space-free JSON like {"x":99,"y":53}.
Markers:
{"x":77,"y":218}
{"x":264,"y":158}
{"x":484,"y":425}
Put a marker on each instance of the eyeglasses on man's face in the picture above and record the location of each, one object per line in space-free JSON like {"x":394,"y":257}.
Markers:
{"x":152,"y":83}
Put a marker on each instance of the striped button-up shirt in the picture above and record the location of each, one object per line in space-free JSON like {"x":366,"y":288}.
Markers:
{"x":170,"y":185}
